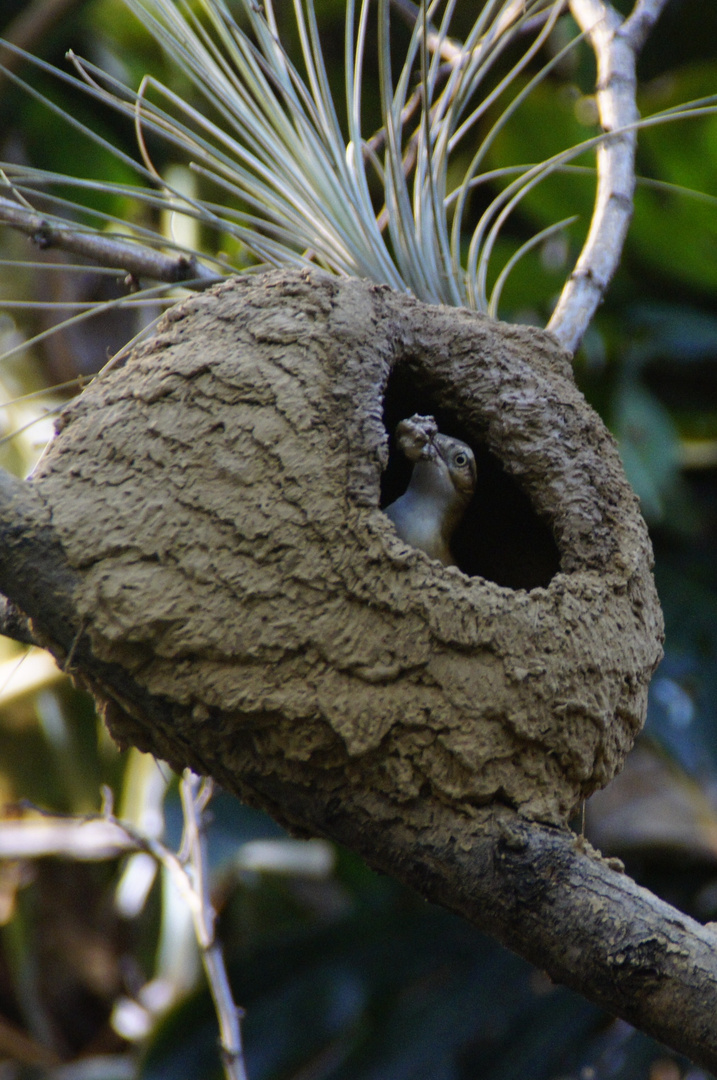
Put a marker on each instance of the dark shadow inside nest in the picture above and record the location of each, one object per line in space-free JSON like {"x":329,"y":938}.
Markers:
{"x":501,"y":537}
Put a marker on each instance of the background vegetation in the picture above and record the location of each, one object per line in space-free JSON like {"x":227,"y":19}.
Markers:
{"x":344,"y":975}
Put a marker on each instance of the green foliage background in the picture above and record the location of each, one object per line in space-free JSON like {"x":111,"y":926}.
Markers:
{"x":346,"y":976}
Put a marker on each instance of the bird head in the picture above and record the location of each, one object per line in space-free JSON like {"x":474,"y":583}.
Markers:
{"x":460,"y":461}
{"x":441,"y":486}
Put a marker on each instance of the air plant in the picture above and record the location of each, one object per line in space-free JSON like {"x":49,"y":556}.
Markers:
{"x":296,"y":178}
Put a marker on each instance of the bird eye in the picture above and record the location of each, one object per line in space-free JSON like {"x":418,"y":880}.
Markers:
{"x":460,"y":460}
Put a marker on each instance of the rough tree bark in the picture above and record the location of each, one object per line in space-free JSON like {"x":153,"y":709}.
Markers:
{"x":203,"y":548}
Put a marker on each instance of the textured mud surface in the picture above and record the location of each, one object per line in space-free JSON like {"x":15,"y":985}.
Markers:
{"x":220,"y":496}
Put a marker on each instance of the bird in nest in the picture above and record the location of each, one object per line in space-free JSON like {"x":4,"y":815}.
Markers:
{"x":441,"y":486}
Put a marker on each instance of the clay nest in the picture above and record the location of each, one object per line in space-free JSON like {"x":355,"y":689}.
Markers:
{"x":220,"y":496}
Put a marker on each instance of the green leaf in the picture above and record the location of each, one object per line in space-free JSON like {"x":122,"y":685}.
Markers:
{"x":673,"y":234}
{"x":649,"y":446}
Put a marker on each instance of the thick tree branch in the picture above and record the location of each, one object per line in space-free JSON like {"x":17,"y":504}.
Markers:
{"x":533,"y":887}
{"x":559,"y":905}
{"x":616,"y":46}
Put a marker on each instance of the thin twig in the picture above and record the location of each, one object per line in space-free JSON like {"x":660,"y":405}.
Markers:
{"x":452,"y":50}
{"x":639,"y":23}
{"x":106,"y":837}
{"x":189,"y":871}
{"x":377,"y":141}
{"x":131,"y":258}
{"x":87,"y":840}
{"x":453,"y":54}
{"x":195,"y":793}
{"x":28,"y":28}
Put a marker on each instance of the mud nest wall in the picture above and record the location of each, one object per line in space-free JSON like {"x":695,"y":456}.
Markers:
{"x":220,"y":495}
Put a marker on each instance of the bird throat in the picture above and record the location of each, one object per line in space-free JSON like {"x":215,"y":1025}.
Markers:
{"x":430,"y":510}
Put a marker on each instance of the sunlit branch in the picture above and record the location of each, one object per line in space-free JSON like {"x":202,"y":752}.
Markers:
{"x":106,"y":837}
{"x":640,"y":22}
{"x":68,"y":837}
{"x":189,"y":871}
{"x":615,"y":45}
{"x":195,"y":793}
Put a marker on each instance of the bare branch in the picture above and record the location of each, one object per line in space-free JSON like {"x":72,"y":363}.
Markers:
{"x":453,"y":51}
{"x":106,"y":837}
{"x":35,"y":19}
{"x":573,"y":914}
{"x":189,"y":871}
{"x":29,"y":27}
{"x":195,"y":794}
{"x":128,"y":257}
{"x":533,"y":887}
{"x":71,"y":838}
{"x":640,"y":22}
{"x":616,"y":46}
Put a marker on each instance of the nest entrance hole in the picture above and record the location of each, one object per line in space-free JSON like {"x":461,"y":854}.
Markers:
{"x":501,"y":537}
